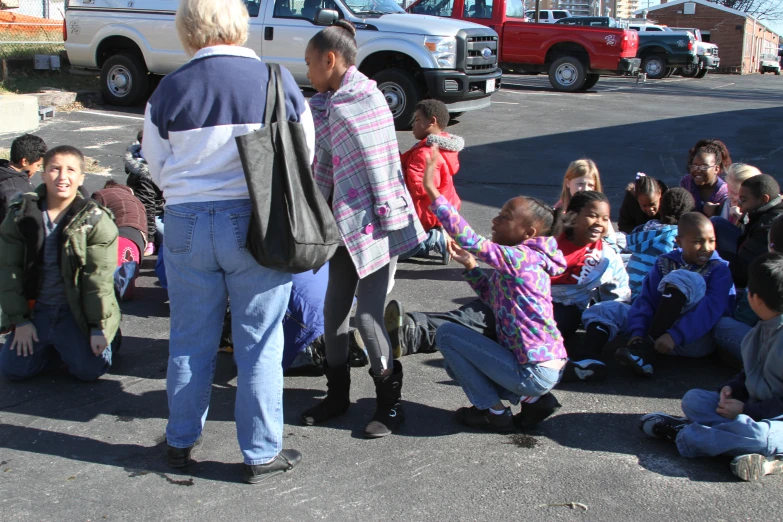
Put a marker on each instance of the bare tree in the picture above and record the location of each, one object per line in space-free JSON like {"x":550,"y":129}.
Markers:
{"x":761,"y":9}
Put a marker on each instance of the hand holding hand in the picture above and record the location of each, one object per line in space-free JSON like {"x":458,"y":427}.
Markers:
{"x":98,"y":343}
{"x":730,"y":408}
{"x":429,"y":173}
{"x":460,"y":255}
{"x":725,"y":393}
{"x":664,"y":344}
{"x":24,"y":337}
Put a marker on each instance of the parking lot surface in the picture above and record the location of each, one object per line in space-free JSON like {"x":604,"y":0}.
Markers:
{"x":75,"y":451}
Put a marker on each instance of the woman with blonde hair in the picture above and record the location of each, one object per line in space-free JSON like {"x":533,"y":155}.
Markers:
{"x":190,"y":127}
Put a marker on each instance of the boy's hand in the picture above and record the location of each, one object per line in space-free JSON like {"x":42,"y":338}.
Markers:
{"x":98,"y":343}
{"x":710,"y":209}
{"x":664,"y":344}
{"x":730,"y":408}
{"x":24,"y":337}
{"x":429,"y":173}
{"x":725,"y":393}
{"x":460,"y":255}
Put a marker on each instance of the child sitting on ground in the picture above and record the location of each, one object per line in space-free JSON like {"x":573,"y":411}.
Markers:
{"x":146,"y":191}
{"x":429,"y":127}
{"x":527,"y":361}
{"x":594,"y":271}
{"x":744,"y":419}
{"x":706,"y":160}
{"x":581,"y":175}
{"x":656,"y":237}
{"x":58,"y":252}
{"x":682,"y":298}
{"x":27,"y":152}
{"x":642,"y":202}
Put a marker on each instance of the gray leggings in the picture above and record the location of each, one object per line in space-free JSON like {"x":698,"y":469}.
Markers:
{"x":370,"y":298}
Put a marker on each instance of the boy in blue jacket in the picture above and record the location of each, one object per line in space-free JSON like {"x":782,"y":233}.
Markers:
{"x":682,"y":298}
{"x":745,"y":418}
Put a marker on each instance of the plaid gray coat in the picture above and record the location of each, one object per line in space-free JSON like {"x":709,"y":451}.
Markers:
{"x":357,"y":168}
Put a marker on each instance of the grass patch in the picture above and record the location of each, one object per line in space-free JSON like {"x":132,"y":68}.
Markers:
{"x":91,"y":165}
{"x":25,"y":80}
{"x":5,"y":153}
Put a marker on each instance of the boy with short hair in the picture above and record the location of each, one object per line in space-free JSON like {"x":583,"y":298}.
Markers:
{"x":429,"y":126}
{"x":58,"y":252}
{"x":744,"y":419}
{"x":27,"y":153}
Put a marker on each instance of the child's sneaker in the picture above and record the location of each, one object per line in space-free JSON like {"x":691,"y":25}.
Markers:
{"x":440,"y":245}
{"x":394,"y":319}
{"x":535,"y":412}
{"x":357,"y":353}
{"x":662,"y":426}
{"x":584,"y":370}
{"x":753,"y":467}
{"x":150,"y":250}
{"x":476,"y":418}
{"x":638,"y":357}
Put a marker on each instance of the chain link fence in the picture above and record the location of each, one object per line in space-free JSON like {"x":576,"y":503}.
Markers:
{"x":30,"y":27}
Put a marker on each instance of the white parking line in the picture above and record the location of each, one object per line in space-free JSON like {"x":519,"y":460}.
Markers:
{"x":506,"y":103}
{"x":721,"y":86}
{"x":99,"y":113}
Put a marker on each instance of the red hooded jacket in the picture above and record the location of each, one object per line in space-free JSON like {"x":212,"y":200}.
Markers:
{"x":414,"y":163}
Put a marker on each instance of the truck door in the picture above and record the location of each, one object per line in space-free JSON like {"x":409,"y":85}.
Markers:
{"x":288,"y":27}
{"x":255,"y":34}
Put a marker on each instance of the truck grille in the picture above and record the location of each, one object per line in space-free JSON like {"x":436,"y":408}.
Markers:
{"x":475,"y":59}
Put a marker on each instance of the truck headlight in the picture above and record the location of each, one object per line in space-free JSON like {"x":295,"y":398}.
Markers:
{"x":443,"y":49}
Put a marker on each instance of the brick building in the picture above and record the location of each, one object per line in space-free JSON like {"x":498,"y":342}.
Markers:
{"x":740,"y":37}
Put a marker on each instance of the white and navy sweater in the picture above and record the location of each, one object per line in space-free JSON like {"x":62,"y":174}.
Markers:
{"x":196,"y":112}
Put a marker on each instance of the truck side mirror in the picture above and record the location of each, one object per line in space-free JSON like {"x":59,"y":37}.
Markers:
{"x":326,"y":16}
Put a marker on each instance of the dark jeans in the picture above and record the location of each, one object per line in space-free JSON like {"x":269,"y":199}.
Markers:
{"x":58,"y":333}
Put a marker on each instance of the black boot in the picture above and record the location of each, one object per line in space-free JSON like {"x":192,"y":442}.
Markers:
{"x":338,"y":396}
{"x":388,"y":409}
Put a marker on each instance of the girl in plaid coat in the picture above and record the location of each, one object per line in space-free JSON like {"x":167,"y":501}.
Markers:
{"x":357,"y":167}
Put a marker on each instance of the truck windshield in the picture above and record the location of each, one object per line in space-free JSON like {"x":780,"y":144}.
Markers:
{"x":434,"y":7}
{"x":373,"y":7}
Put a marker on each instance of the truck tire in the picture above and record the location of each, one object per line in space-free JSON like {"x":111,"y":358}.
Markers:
{"x":762,"y":70}
{"x":567,"y":74}
{"x":689,"y":71}
{"x":777,"y":72}
{"x":701,"y":74}
{"x":124,"y":80}
{"x":654,"y":66}
{"x":402,"y":95}
{"x":590,"y":82}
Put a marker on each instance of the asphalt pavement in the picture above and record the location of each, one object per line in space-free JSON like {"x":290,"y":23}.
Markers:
{"x":95,"y":451}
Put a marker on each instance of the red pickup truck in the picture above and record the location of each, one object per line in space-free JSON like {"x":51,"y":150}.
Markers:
{"x":573,"y":56}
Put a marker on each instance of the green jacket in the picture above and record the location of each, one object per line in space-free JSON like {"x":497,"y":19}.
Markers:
{"x":88,"y":258}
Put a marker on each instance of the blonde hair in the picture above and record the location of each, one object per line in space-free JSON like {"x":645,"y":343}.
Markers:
{"x":739,"y":172}
{"x":203,"y":23}
{"x":579,"y":169}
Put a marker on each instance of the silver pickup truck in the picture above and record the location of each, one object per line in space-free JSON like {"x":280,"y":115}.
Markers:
{"x":410,"y":56}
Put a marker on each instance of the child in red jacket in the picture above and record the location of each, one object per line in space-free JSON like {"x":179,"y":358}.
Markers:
{"x":429,"y":126}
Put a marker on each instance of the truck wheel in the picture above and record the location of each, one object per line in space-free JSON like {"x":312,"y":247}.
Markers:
{"x":762,"y":71}
{"x":567,"y":74}
{"x":654,"y":66}
{"x":590,"y":82}
{"x":701,"y":74}
{"x":402,"y":95}
{"x":777,"y":72}
{"x":124,"y":80}
{"x":689,"y":71}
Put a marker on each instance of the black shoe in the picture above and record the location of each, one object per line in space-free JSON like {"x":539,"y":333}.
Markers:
{"x":753,"y":467}
{"x":536,"y":412}
{"x":285,"y":461}
{"x":662,"y":426}
{"x":638,"y":357}
{"x":584,"y":370}
{"x":116,"y":344}
{"x":338,"y":396}
{"x":388,"y":408}
{"x":180,"y":457}
{"x":394,"y":322}
{"x":484,"y":419}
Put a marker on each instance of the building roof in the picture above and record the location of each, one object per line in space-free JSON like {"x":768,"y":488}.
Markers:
{"x":706,"y":4}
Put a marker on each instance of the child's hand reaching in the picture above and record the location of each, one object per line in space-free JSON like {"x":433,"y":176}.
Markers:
{"x":429,"y":173}
{"x":460,"y":255}
{"x":729,"y":408}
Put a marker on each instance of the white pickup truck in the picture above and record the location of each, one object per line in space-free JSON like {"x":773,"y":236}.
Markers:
{"x":707,"y":52}
{"x":410,"y":56}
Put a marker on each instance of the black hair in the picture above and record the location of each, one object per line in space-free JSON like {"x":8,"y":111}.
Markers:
{"x":111,"y":183}
{"x":765,"y":280}
{"x":338,"y":38}
{"x":436,"y":108}
{"x":691,"y":221}
{"x":28,"y":147}
{"x":762,"y":185}
{"x":711,"y":146}
{"x":549,"y":221}
{"x":64,"y":150}
{"x":140,"y":135}
{"x":646,"y":186}
{"x":674,"y":203}
{"x":579,"y":201}
{"x":776,"y":235}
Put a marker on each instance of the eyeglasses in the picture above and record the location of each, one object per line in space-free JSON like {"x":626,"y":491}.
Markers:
{"x":702,"y":168}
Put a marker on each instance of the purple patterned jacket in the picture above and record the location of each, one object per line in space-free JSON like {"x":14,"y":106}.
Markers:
{"x":518,"y":290}
{"x":357,"y":168}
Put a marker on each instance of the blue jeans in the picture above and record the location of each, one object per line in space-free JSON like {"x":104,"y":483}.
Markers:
{"x":206,"y":262}
{"x":728,"y":335}
{"x":58,"y":333}
{"x":489,"y":372}
{"x":434,"y":238}
{"x":710,"y":434}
